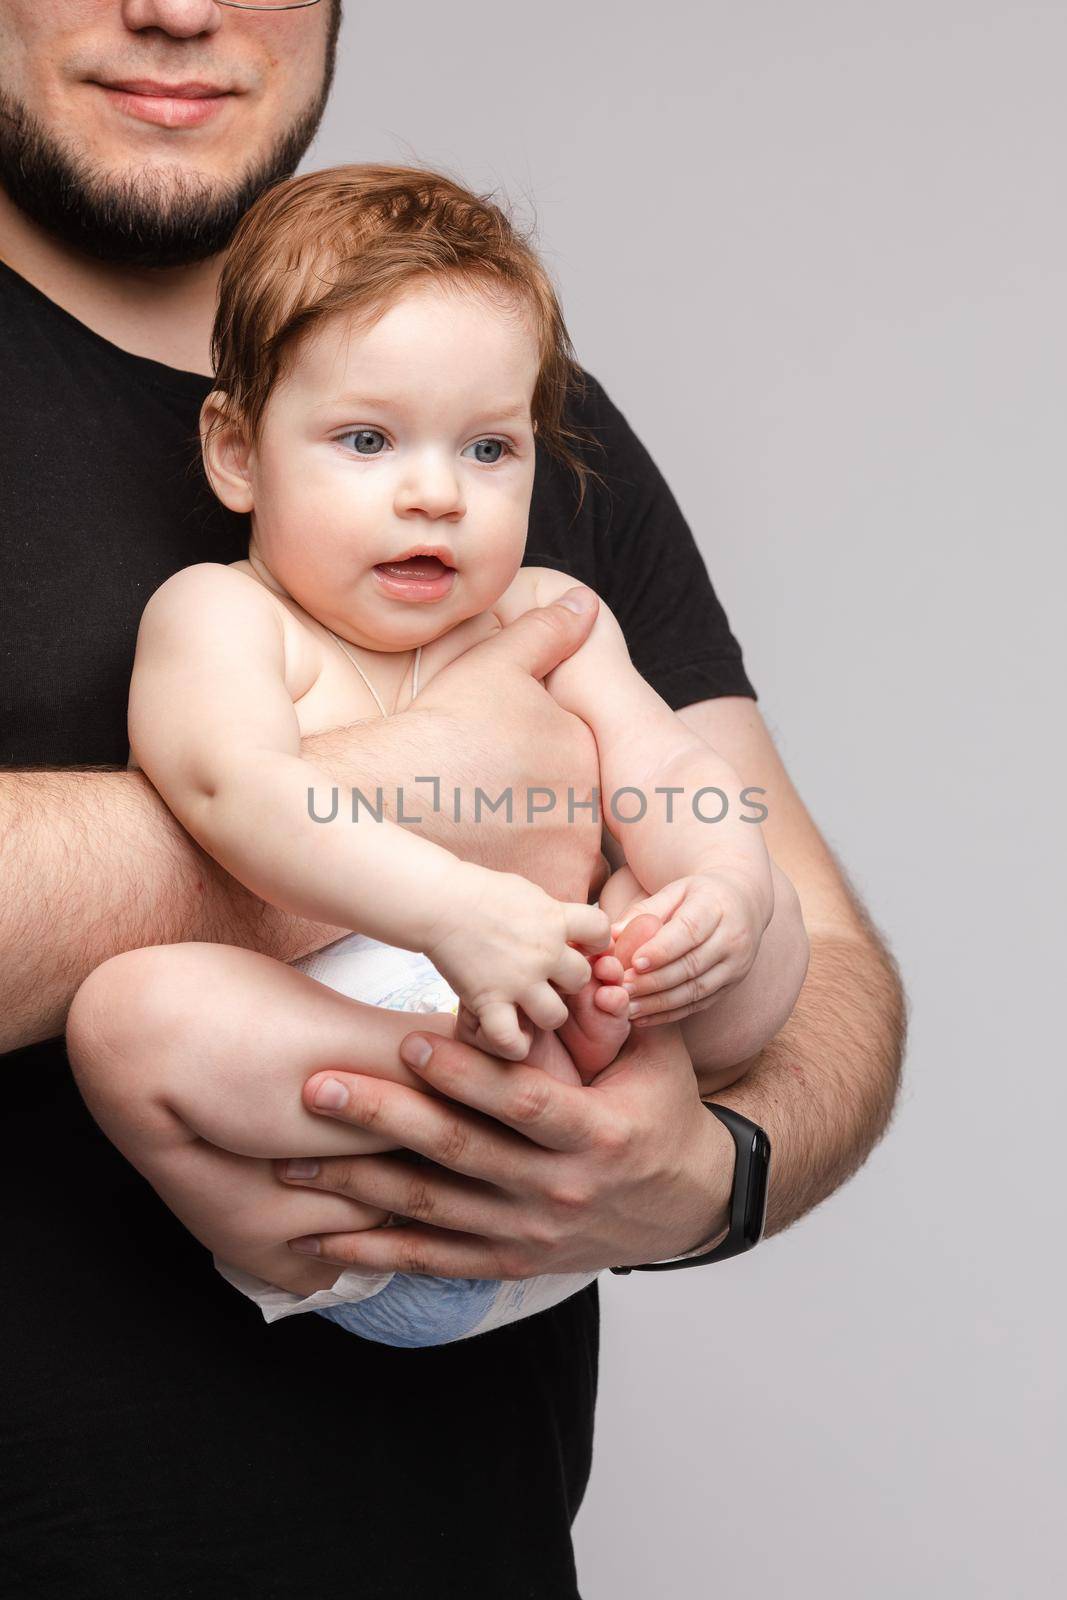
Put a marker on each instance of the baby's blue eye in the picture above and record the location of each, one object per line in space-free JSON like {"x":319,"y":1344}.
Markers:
{"x":487,"y":451}
{"x":366,"y":441}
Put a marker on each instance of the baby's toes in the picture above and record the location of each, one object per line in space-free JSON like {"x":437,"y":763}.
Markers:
{"x":612,"y":999}
{"x":609,"y":969}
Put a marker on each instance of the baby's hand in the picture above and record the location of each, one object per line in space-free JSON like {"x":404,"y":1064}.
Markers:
{"x":712,"y":927}
{"x":504,"y":945}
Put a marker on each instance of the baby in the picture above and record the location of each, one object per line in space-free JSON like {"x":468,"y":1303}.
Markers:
{"x":388,"y":350}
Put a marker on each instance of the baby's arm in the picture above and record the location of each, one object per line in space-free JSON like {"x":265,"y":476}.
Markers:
{"x":711,"y":882}
{"x":214,"y":727}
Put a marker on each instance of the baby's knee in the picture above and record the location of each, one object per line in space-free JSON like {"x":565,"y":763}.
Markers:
{"x":620,"y":891}
{"x":122,"y":1020}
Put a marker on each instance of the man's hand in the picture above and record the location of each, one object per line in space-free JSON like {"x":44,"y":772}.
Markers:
{"x":564,"y":1179}
{"x":486,"y":722}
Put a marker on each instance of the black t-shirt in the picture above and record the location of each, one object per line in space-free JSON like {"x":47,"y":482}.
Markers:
{"x":157,"y":1438}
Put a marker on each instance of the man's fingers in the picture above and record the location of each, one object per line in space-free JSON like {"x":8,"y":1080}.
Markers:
{"x":412,"y":1189}
{"x":556,"y":1115}
{"x":447,"y":1134}
{"x":546,"y":635}
{"x":415,"y":1249}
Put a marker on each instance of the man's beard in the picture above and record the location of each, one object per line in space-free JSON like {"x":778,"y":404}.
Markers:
{"x":149,"y":217}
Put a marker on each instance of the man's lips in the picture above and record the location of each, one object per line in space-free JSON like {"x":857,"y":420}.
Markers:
{"x":169,"y":105}
{"x":417,"y":578}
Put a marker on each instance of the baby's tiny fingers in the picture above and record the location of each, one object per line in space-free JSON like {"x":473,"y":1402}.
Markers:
{"x":588,"y":926}
{"x":683,"y":933}
{"x":664,"y":1017}
{"x":663,"y":904}
{"x":636,"y":933}
{"x":696,"y":993}
{"x":571,"y":972}
{"x":544,"y":1006}
{"x":700,"y":959}
{"x":499,"y":1027}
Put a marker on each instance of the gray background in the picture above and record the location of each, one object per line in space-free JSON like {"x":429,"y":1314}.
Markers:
{"x":816,"y":251}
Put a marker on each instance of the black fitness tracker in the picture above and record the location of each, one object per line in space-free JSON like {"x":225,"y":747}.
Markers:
{"x":748,"y":1198}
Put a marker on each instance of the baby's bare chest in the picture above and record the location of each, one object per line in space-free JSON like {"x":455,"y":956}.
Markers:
{"x":331,"y":691}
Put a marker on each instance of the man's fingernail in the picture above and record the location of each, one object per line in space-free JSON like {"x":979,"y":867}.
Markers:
{"x":634,"y":1008}
{"x":308,"y":1246}
{"x":297,"y":1170}
{"x":641,"y":962}
{"x":330,"y":1095}
{"x":415,"y":1050}
{"x":577,"y":600}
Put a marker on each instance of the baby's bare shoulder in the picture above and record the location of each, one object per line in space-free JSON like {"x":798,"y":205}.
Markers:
{"x":211,"y":585}
{"x":531,"y":586}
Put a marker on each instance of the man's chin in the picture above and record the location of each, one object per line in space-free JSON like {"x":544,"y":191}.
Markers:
{"x":145,"y":215}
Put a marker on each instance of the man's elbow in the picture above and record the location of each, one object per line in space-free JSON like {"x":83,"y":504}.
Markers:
{"x":859,"y":984}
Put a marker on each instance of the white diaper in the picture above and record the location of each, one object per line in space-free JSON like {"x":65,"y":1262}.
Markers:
{"x":429,"y":1310}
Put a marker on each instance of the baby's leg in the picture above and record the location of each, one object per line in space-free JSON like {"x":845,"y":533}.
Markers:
{"x":192,"y":1059}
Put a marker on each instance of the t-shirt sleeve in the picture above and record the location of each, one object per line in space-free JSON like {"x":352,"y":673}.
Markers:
{"x":649,"y":569}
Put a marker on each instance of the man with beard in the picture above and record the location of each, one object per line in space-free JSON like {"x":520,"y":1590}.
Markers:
{"x":159,"y":1439}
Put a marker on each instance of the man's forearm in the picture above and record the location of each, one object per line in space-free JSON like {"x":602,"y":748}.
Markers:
{"x":92,"y":864}
{"x":824,"y":1088}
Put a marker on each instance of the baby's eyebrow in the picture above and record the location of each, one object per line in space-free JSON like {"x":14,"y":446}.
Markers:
{"x":512,"y":413}
{"x":509,"y":411}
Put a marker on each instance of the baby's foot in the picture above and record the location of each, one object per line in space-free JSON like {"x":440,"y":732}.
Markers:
{"x":598,"y":1025}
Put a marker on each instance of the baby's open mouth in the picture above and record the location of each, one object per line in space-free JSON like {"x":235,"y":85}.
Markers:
{"x":418,"y":578}
{"x":424,"y":567}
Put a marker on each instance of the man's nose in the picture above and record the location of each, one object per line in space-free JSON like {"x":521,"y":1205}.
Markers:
{"x":182,"y":19}
{"x":430,"y":487}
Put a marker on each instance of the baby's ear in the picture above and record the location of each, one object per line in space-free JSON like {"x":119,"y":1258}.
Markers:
{"x":227,"y":452}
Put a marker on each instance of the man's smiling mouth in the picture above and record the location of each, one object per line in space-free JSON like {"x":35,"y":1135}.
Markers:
{"x":169,"y":105}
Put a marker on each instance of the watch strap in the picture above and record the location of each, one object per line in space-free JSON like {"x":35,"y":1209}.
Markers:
{"x":748,"y":1197}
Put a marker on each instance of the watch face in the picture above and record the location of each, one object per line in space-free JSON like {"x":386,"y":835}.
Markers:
{"x":756,"y":1199}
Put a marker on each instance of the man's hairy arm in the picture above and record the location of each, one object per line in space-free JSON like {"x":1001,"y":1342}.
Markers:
{"x":93,"y":863}
{"x":825,"y":1086}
